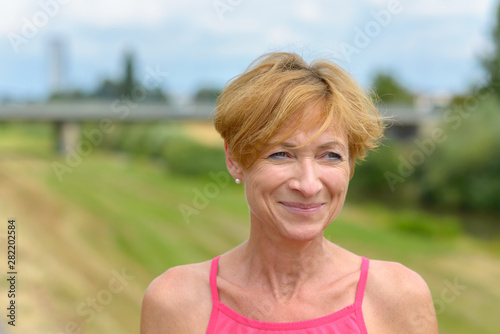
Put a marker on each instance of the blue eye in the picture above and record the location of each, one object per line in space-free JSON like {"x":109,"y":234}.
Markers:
{"x":278,"y":155}
{"x":333,"y":156}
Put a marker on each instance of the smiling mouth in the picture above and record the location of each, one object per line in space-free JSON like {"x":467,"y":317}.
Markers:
{"x":302,"y":208}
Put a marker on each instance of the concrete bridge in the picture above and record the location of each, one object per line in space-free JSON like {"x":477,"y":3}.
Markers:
{"x":67,"y":116}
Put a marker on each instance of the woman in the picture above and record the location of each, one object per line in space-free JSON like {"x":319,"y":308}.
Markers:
{"x":293,"y":133}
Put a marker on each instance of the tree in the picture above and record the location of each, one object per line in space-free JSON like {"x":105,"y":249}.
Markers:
{"x":207,"y":95}
{"x":128,"y":86}
{"x":110,"y":89}
{"x":389,"y":90}
{"x":128,"y":82}
{"x":68,"y":95}
{"x":491,"y":63}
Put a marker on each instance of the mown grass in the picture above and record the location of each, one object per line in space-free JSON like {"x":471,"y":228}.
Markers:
{"x":133,"y":216}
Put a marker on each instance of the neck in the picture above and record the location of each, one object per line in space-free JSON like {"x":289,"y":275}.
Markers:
{"x":282,"y":265}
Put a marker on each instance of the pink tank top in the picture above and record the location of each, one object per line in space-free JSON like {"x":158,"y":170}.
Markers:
{"x":224,"y":320}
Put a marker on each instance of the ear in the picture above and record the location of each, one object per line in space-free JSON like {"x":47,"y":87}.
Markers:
{"x":232,"y":166}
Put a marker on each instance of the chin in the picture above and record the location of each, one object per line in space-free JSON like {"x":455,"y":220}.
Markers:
{"x":304,"y":233}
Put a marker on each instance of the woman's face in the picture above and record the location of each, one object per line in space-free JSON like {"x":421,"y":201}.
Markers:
{"x":297,"y":192}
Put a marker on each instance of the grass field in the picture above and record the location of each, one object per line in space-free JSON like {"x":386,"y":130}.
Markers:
{"x":118,"y":216}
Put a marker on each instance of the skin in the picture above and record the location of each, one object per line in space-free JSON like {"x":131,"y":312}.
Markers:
{"x":287,"y":271}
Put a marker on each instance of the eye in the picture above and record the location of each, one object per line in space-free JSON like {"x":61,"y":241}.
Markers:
{"x":278,"y":155}
{"x":333,"y":156}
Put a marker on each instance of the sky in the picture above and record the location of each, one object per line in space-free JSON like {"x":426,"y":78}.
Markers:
{"x":431,"y":46}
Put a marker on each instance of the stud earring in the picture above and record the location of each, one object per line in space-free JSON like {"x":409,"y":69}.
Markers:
{"x":238,"y":181}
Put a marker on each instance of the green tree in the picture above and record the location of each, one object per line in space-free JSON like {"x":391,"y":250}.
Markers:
{"x":491,"y":63}
{"x":69,"y":95}
{"x":125,"y":87}
{"x":128,"y":82}
{"x":463,"y":173}
{"x":207,"y":95}
{"x":389,"y":90}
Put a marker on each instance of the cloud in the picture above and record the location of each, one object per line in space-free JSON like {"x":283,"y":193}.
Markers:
{"x":190,"y":38}
{"x":113,"y":13}
{"x":12,"y":14}
{"x":308,"y":11}
{"x":95,"y":13}
{"x":444,"y":8}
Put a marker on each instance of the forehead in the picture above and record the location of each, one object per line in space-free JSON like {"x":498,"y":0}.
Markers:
{"x":303,"y":137}
{"x":309,"y":126}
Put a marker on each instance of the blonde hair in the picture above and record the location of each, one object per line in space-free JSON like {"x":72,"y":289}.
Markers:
{"x":276,"y":88}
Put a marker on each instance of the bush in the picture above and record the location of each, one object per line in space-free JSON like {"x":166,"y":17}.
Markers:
{"x":168,"y":144}
{"x":184,"y":156}
{"x":369,"y":182}
{"x":464,"y":172}
{"x":426,"y":225}
{"x":461,"y":174}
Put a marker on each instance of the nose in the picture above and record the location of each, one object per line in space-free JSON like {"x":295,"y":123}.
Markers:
{"x":306,"y":179}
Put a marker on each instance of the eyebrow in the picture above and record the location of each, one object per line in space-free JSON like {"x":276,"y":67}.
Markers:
{"x":325,"y":145}
{"x":287,"y":145}
{"x":331,"y":143}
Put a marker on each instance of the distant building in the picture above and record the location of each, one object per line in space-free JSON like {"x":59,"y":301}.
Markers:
{"x":405,"y":122}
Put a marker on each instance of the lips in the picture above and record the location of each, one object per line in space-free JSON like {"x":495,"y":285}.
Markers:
{"x":302,"y":208}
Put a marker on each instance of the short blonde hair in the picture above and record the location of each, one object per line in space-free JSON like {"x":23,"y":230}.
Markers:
{"x":276,"y":88}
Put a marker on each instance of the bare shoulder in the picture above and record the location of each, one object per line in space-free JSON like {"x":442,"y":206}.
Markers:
{"x":178,"y":301}
{"x":397,"y":300}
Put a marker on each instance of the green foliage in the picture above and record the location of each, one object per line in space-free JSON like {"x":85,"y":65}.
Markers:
{"x":368,"y":180}
{"x":426,"y":225}
{"x":389,"y":90}
{"x":464,"y":173}
{"x":127,"y":88}
{"x":129,"y":81}
{"x":27,"y":138}
{"x":73,"y":95}
{"x":108,"y":89}
{"x":207,"y":95}
{"x":187,"y":157}
{"x":491,"y":62}
{"x":461,"y":173}
{"x":167,"y":144}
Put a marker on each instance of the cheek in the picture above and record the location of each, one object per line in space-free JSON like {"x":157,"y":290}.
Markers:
{"x":256,"y":183}
{"x":266,"y":177}
{"x":262,"y":184}
{"x":338,"y":181}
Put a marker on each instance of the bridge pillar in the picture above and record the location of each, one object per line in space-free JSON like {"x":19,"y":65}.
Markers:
{"x":67,"y":136}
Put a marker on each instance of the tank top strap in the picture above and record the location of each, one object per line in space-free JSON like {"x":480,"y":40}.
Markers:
{"x":362,"y":281}
{"x":213,"y":278}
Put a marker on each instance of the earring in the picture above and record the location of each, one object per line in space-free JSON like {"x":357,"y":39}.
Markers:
{"x":238,"y":181}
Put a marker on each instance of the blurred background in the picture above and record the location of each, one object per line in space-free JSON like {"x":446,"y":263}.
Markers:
{"x":113,"y":173}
